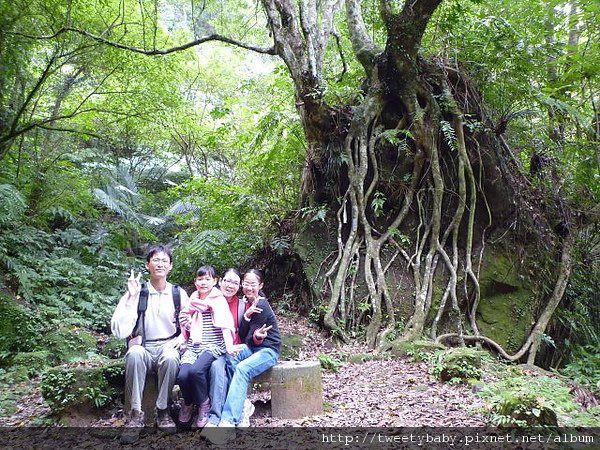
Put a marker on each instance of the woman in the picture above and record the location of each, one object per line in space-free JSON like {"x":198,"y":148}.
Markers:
{"x":219,"y":373}
{"x":260,"y":333}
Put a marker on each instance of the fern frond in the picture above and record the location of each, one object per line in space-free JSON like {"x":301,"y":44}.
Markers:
{"x":12,"y":203}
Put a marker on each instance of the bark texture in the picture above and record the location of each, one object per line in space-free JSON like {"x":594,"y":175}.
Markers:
{"x":420,"y":180}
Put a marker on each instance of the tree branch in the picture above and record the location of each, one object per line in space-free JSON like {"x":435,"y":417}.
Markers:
{"x":155,"y":52}
{"x":362,"y":44}
{"x":406,"y":29}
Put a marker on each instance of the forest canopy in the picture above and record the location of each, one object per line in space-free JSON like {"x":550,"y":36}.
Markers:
{"x":401,"y":170}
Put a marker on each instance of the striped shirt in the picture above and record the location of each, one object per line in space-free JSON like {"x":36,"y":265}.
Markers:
{"x":212,"y":338}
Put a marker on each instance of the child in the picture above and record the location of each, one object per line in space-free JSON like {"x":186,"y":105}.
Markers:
{"x":208,"y":333}
{"x":263,"y":344}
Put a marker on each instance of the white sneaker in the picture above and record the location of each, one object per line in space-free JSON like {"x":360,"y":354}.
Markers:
{"x":247,"y":413}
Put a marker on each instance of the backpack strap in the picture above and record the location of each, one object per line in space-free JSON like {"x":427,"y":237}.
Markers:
{"x":177,"y":304}
{"x":139,"y":328}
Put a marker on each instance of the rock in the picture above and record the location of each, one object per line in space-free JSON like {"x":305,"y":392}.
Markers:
{"x":34,"y":363}
{"x":70,"y":344}
{"x":83,"y":387}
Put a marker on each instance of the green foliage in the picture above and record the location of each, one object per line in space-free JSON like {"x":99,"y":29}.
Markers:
{"x":33,"y":362}
{"x":529,"y":401}
{"x":12,"y":204}
{"x":377,"y":203}
{"x":94,"y":383}
{"x":231,"y":220}
{"x":70,"y":344}
{"x":113,"y":348}
{"x":69,"y":276}
{"x":418,"y":350}
{"x":449,"y":134}
{"x":584,"y":367}
{"x":57,"y":390}
{"x":458,"y":364}
{"x":317,"y":213}
{"x":328,"y":362}
{"x":18,"y":329}
{"x":575,"y":327}
{"x":12,"y":389}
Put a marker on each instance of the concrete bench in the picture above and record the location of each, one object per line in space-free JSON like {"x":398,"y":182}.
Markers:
{"x":296,"y":390}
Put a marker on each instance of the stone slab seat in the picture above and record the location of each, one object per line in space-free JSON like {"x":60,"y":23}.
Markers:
{"x":296,"y":390}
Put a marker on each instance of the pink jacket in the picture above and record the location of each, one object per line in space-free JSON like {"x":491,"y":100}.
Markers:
{"x":219,"y":308}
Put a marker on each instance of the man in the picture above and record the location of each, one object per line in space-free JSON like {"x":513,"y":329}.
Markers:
{"x":152,"y":343}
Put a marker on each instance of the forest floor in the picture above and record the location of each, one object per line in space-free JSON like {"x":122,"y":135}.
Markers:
{"x":394,"y":392}
{"x":373,"y":393}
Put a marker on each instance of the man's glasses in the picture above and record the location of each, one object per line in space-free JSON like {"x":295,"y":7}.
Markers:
{"x":160,"y":260}
{"x":231,"y":282}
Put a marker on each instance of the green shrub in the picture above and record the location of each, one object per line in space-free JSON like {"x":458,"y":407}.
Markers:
{"x":418,"y":350}
{"x":71,"y":278}
{"x":94,"y":383}
{"x":329,"y":363}
{"x":14,"y":375}
{"x":33,"y":362}
{"x":19,"y":329}
{"x":57,"y":389}
{"x":70,"y":344}
{"x":529,"y":401}
{"x":585,"y":367}
{"x":114,"y":347}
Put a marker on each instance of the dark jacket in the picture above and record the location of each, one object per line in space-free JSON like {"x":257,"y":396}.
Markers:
{"x":267,"y":316}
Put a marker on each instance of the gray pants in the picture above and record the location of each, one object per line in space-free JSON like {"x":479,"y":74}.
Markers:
{"x":156,"y":358}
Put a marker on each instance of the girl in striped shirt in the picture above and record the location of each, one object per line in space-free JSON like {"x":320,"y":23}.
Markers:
{"x":208,"y":334}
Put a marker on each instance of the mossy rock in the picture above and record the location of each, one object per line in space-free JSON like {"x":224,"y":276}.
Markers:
{"x":33,"y":362}
{"x":90,"y":384}
{"x":291,"y":344}
{"x":18,"y":328}
{"x":359,"y":358}
{"x":70,"y":344}
{"x":114,"y":347}
{"x":524,"y":409}
{"x":14,"y":375}
{"x":416,"y":349}
{"x":312,"y":244}
{"x":462,"y":363}
{"x":505,"y":310}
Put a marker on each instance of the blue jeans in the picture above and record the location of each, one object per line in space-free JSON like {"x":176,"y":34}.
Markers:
{"x":220,"y":374}
{"x":248,"y":364}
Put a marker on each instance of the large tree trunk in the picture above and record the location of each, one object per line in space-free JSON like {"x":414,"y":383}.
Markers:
{"x":432,"y":217}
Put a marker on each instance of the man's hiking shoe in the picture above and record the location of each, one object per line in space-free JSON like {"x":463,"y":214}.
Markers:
{"x":247,"y":413}
{"x":164,"y":422}
{"x":185,"y":413}
{"x":203,"y":412}
{"x":133,"y":426}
